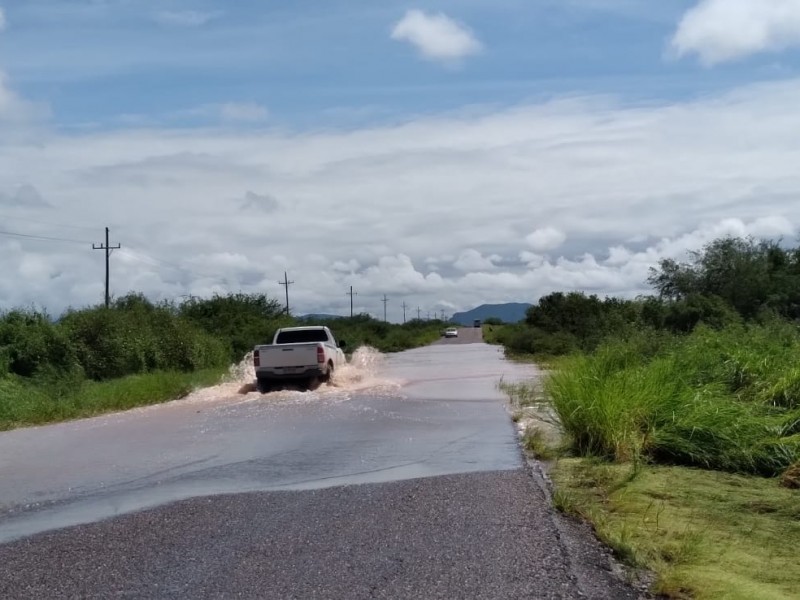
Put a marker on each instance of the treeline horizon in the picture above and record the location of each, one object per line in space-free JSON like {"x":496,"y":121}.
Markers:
{"x":135,"y":335}
{"x":730,"y":280}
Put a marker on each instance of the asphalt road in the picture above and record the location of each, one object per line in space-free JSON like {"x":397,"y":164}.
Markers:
{"x":404,"y":482}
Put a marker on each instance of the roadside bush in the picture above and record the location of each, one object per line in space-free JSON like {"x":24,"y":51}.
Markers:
{"x":30,"y":342}
{"x":703,"y":400}
{"x":684,"y":315}
{"x":135,"y":336}
{"x":240,"y":321}
{"x":522,"y":339}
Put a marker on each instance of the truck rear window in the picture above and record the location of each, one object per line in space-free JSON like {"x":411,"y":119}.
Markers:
{"x":302,"y":336}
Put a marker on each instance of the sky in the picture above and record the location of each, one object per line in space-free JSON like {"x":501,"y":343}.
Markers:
{"x":443,"y":153}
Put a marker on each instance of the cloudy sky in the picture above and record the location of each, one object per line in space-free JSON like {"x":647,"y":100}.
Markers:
{"x":444,"y":153}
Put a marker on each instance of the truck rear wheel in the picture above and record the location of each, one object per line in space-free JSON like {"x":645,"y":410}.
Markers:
{"x":264,"y":386}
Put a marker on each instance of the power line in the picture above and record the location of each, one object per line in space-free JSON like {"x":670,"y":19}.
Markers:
{"x":156,"y":262}
{"x":47,"y":238}
{"x":50,"y":224}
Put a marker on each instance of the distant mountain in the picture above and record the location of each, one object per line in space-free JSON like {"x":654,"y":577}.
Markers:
{"x":510,"y":312}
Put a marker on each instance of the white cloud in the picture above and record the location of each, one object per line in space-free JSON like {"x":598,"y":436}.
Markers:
{"x":547,"y":238}
{"x":243,"y":112}
{"x":434,"y":210}
{"x":185,"y":18}
{"x":472,"y":260}
{"x":350,"y":266}
{"x":532,"y":260}
{"x":14,"y":108}
{"x":436,"y":36}
{"x":724,"y":30}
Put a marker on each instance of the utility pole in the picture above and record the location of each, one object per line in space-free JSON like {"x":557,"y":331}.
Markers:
{"x":419,"y":311}
{"x":442,"y":314}
{"x":405,"y":306}
{"x":108,"y":248}
{"x":351,"y":293}
{"x":286,"y":283}
{"x":385,"y":300}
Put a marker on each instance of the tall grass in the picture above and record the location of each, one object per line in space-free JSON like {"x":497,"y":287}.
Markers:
{"x":727,"y":400}
{"x":24,"y":403}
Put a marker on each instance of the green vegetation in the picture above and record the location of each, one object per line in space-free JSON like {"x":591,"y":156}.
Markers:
{"x":240,"y":320}
{"x":363,"y":330}
{"x":703,"y":533}
{"x":25,"y":403}
{"x":680,"y":418}
{"x":137,"y":352}
{"x":726,"y":400}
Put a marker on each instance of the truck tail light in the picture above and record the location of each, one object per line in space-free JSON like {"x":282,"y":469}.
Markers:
{"x":320,"y":354}
{"x":256,"y":359}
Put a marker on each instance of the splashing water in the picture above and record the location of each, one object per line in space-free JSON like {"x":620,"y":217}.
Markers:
{"x":243,"y":372}
{"x":361,"y":372}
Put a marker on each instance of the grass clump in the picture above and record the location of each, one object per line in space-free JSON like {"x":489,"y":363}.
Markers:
{"x":23,"y":403}
{"x":704,"y":534}
{"x":716,"y":399}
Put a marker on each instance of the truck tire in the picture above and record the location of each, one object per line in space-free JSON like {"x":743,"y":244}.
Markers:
{"x":264,"y":386}
{"x":329,"y":375}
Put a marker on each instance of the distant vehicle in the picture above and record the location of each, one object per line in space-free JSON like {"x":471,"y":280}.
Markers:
{"x":476,"y":323}
{"x":451,"y":332}
{"x":305,"y":355}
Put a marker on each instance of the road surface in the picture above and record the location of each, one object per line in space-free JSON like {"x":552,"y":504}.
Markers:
{"x":406,"y":481}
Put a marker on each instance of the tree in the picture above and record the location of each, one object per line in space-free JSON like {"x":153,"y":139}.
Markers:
{"x":748,"y":275}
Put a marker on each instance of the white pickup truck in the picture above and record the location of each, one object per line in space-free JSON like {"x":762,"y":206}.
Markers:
{"x":304,"y":355}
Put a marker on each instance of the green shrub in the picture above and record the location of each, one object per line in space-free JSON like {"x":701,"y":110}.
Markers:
{"x":241,"y":321}
{"x":135,"y":336}
{"x":29,"y":341}
{"x":707,"y":400}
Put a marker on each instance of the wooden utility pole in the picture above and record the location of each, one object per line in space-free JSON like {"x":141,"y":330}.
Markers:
{"x":108,"y":248}
{"x":351,"y":293}
{"x":419,"y":314}
{"x":286,"y":283}
{"x":405,"y":306}
{"x":385,"y":300}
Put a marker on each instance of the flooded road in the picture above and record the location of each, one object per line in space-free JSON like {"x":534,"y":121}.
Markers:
{"x":405,"y":480}
{"x":426,"y":412}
